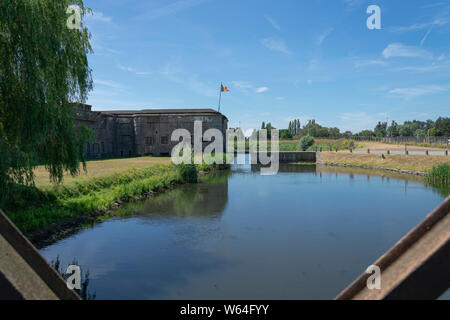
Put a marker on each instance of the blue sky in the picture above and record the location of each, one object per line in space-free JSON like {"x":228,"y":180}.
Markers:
{"x":307,"y":59}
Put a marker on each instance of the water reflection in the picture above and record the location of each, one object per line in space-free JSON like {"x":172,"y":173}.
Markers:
{"x":302,"y":234}
{"x":207,"y":199}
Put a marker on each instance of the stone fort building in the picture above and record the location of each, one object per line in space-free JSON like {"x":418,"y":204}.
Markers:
{"x":140,"y":133}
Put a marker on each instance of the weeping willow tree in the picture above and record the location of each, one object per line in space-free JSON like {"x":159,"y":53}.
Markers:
{"x":43,"y":71}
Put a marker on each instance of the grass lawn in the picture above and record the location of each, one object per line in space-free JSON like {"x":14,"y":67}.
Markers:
{"x":100,"y":168}
{"x":401,"y":162}
{"x":324,"y":143}
{"x":106,"y":184}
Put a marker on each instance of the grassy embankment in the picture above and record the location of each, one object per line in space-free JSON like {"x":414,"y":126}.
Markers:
{"x":106,"y":184}
{"x":439,"y":175}
{"x":294,"y":145}
{"x":101,"y":168}
{"x":416,"y":163}
{"x":343,"y":144}
{"x":321,"y":144}
{"x":434,"y":169}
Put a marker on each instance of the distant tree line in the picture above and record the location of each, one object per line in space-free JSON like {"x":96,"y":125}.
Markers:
{"x":310,"y":129}
{"x":294,"y":127}
{"x":415,"y":128}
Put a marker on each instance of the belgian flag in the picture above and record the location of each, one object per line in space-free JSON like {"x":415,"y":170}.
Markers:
{"x":224,"y":88}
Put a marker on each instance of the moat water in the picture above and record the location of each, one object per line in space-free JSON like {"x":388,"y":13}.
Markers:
{"x":305,"y":233}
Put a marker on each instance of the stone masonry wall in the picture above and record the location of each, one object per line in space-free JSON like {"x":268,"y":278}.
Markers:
{"x":139,"y":134}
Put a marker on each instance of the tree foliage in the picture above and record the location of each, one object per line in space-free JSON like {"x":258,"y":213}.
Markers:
{"x":43,"y":70}
{"x":314,"y":129}
{"x":381,"y":129}
{"x":295,"y":127}
{"x":419,"y":129}
{"x":306,"y":142}
{"x":285,"y":134}
{"x":269,"y":129}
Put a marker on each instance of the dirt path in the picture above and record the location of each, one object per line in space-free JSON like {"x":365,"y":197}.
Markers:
{"x":387,"y":146}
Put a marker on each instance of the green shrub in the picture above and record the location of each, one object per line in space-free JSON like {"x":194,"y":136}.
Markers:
{"x":188,"y":173}
{"x":31,"y":209}
{"x":22,"y":195}
{"x":439,"y":175}
{"x":306,"y":142}
{"x":61,"y":202}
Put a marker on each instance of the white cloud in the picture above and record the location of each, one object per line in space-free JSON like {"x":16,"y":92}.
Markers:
{"x":401,"y":50}
{"x":132,"y":70}
{"x":272,"y":22}
{"x":358,"y":121}
{"x":422,"y":26}
{"x":201,"y":87}
{"x":241,"y":85}
{"x":313,"y":80}
{"x":101,"y":50}
{"x":353,"y":4}
{"x":324,"y":35}
{"x":247,"y":87}
{"x":426,"y":36}
{"x":414,"y":27}
{"x":142,"y":73}
{"x":423,"y":69}
{"x":123,"y":68}
{"x":172,"y":72}
{"x":365,"y":63}
{"x":110,"y":84}
{"x":276,"y":45}
{"x":414,"y":92}
{"x":169,"y":9}
{"x":262,"y":89}
{"x":98,"y":16}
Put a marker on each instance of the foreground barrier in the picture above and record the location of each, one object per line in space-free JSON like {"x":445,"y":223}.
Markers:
{"x":24,"y":273}
{"x":417,"y":267}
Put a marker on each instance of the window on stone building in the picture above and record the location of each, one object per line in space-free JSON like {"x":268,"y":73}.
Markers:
{"x":164,"y":140}
{"x":103,"y":147}
{"x":149,"y":141}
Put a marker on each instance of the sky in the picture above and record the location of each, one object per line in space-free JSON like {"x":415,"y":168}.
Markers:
{"x":281,"y":60}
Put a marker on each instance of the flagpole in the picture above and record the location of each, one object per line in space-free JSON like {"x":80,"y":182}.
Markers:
{"x":220,"y":95}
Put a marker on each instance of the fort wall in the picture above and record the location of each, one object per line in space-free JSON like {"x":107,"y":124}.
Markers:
{"x":139,"y":133}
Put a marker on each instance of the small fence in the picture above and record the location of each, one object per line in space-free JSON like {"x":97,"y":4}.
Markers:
{"x":406,"y":140}
{"x":418,"y":140}
{"x":408,"y":152}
